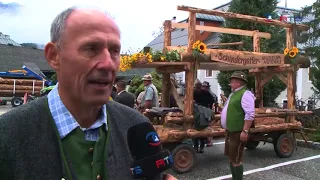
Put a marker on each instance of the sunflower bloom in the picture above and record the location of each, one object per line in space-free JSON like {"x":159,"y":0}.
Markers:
{"x":295,"y":49}
{"x":292,"y":54}
{"x":202,"y":47}
{"x":286,"y":51}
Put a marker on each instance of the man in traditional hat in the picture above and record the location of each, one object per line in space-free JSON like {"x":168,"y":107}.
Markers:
{"x":237,"y":117}
{"x":150,"y":98}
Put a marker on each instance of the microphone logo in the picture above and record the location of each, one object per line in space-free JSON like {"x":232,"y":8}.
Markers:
{"x":153,"y":139}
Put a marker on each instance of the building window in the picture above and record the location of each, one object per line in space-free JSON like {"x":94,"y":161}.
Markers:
{"x":201,"y":24}
{"x":209,"y":73}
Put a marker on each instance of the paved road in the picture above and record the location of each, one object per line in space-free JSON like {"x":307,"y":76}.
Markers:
{"x":213,"y":165}
{"x":5,"y":108}
{"x":260,"y":164}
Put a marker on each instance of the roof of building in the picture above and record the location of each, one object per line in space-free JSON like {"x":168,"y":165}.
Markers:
{"x":5,"y":39}
{"x":13,"y":57}
{"x":179,"y":37}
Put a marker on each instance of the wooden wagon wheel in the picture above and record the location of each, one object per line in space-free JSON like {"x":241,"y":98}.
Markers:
{"x":184,"y":157}
{"x":285,"y":145}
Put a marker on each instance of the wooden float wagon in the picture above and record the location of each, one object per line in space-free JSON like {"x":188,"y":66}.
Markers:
{"x":274,"y":125}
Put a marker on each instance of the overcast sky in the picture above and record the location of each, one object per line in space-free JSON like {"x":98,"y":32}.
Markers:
{"x":137,"y":18}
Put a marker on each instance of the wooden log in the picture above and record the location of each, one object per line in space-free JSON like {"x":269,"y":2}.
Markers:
{"x":9,"y":93}
{"x":273,"y":70}
{"x":242,"y":17}
{"x":276,"y":127}
{"x":187,"y":57}
{"x":176,"y":134}
{"x":19,"y":87}
{"x":276,"y":114}
{"x":165,"y":96}
{"x":303,"y":61}
{"x":25,"y":82}
{"x":223,"y":30}
{"x":190,"y":74}
{"x":227,"y":44}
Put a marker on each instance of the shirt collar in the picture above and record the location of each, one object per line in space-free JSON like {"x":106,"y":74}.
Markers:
{"x":121,"y":92}
{"x":238,"y":89}
{"x":64,"y":120}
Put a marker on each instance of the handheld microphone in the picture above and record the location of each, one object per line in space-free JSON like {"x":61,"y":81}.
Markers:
{"x":149,"y":159}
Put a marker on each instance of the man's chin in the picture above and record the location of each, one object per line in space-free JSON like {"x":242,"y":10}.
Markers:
{"x":98,"y":101}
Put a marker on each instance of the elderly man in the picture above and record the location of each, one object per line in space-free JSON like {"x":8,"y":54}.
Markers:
{"x":74,"y":132}
{"x":150,"y":98}
{"x":237,"y":117}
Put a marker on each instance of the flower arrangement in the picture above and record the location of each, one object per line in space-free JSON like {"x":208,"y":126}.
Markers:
{"x":198,"y":47}
{"x":291,"y":54}
{"x":126,"y":61}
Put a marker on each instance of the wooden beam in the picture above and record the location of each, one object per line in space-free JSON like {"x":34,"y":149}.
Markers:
{"x":266,"y":79}
{"x":242,"y":17}
{"x":223,"y":30}
{"x":227,"y":44}
{"x":165,"y":95}
{"x":189,"y":78}
{"x":282,"y":78}
{"x":176,"y":96}
{"x":246,"y":58}
{"x":278,"y":69}
{"x":291,"y":83}
{"x":258,"y":77}
{"x":171,"y":69}
{"x":159,"y":64}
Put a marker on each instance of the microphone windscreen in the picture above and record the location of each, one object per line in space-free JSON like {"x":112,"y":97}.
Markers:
{"x":143,"y":141}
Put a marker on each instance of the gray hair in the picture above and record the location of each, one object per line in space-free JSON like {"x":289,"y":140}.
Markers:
{"x":59,"y":23}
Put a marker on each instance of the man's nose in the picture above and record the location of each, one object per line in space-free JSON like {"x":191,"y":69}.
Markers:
{"x":105,"y":60}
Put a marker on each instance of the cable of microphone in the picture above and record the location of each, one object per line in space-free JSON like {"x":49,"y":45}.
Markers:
{"x":149,"y":159}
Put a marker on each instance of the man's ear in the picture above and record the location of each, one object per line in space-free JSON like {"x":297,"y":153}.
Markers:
{"x":51,"y":54}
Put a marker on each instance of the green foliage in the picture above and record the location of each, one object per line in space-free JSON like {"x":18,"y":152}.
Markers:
{"x":136,"y":86}
{"x":168,"y":56}
{"x":310,"y":37}
{"x":315,"y":136}
{"x":274,"y":45}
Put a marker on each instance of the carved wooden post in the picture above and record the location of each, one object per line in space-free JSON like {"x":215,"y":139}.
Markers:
{"x":258,"y":78}
{"x":189,"y":78}
{"x":290,"y":78}
{"x":165,"y":96}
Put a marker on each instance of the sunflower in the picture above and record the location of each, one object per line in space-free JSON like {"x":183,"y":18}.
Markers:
{"x":162,"y":58}
{"x":292,"y":54}
{"x":195,"y":45}
{"x":295,"y":49}
{"x":286,"y":51}
{"x":202,"y":47}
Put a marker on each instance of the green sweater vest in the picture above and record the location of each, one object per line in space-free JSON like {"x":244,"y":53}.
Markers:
{"x":82,"y":159}
{"x":235,"y":113}
{"x":87,"y":157}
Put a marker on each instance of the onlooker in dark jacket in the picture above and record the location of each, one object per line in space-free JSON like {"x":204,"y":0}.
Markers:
{"x":123,"y":96}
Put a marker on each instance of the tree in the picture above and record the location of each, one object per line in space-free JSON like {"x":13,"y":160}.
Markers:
{"x":312,"y":39}
{"x":276,"y":44}
{"x":136,"y":86}
{"x":158,"y":33}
